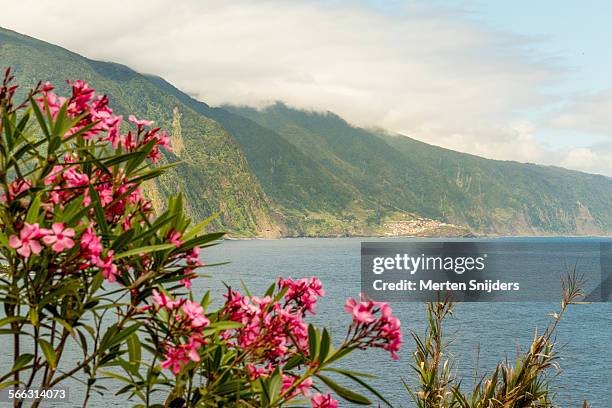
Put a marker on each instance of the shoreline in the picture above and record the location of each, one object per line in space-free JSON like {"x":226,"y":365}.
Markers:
{"x":473,"y":237}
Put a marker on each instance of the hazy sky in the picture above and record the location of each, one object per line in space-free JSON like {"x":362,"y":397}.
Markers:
{"x":521,"y":80}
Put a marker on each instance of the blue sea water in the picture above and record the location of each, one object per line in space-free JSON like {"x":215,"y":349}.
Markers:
{"x":481,"y":334}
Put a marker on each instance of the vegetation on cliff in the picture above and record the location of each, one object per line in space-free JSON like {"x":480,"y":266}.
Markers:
{"x":282,"y":171}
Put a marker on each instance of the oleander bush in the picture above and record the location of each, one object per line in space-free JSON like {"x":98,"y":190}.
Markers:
{"x":87,"y":264}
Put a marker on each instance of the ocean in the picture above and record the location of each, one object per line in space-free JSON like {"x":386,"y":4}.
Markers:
{"x":480,"y":334}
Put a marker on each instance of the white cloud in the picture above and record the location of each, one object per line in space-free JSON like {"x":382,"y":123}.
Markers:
{"x":592,"y":159}
{"x":424,"y":71}
{"x":587,"y":112}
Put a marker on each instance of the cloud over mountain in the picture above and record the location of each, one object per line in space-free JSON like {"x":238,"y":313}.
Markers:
{"x":425,"y":71}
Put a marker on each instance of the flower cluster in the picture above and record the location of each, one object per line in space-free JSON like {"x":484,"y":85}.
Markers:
{"x":59,"y":238}
{"x":273,"y":330}
{"x":304,"y":292}
{"x":95,"y":116}
{"x":185,"y":321}
{"x":323,"y":401}
{"x":374,"y":326}
{"x":68,"y":179}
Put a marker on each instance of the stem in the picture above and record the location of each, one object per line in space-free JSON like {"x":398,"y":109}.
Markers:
{"x":87,"y":393}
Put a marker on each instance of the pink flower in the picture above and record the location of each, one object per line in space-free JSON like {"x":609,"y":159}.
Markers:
{"x":164,"y":301}
{"x":361,"y":312}
{"x":175,"y":238}
{"x":323,"y":401}
{"x":27,"y":242}
{"x":191,"y":348}
{"x":16,"y":188}
{"x":91,"y":243}
{"x":175,"y":359}
{"x":187,"y":281}
{"x":195,"y":313}
{"x":375,"y":331}
{"x":140,"y":123}
{"x":305,"y":292}
{"x":109,"y":269}
{"x":255,"y":372}
{"x":302,"y":388}
{"x":58,"y":237}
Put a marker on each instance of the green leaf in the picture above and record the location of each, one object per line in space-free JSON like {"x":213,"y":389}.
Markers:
{"x":199,"y":227}
{"x":339,"y":354}
{"x":39,"y":116}
{"x":65,"y":325}
{"x":294,"y":362}
{"x":123,"y":240}
{"x":33,"y":316}
{"x":22,"y":361}
{"x":313,"y":341}
{"x":32,"y":215}
{"x":10,"y":319}
{"x":201,"y":240}
{"x":7,"y":384}
{"x":134,"y":350}
{"x":354,"y":375}
{"x":118,"y":377}
{"x":324,"y":347}
{"x":98,"y":210}
{"x":157,"y":225}
{"x":9,"y":133}
{"x":49,"y":352}
{"x":343,"y":392}
{"x":114,"y":337}
{"x":275,"y":385}
{"x":58,"y":127}
{"x":139,"y":159}
{"x":144,"y":250}
{"x":349,"y":372}
{"x":270,"y":290}
{"x":223,"y":325}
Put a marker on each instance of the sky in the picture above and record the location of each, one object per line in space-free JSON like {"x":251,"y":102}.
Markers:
{"x":512,"y":80}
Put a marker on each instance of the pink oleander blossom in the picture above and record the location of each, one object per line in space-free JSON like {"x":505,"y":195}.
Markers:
{"x":91,"y":244}
{"x":275,"y":330}
{"x":305,"y":292}
{"x":27,"y":243}
{"x":16,"y":188}
{"x":192,"y":347}
{"x":360,"y":311}
{"x":162,"y":300}
{"x":174,"y":237}
{"x":58,"y":237}
{"x":140,"y":123}
{"x":323,"y":401}
{"x":302,"y":388}
{"x":374,"y":326}
{"x":176,"y":358}
{"x":109,"y":269}
{"x":195,"y":314}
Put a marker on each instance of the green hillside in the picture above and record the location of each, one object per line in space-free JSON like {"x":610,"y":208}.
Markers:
{"x":308,"y":196}
{"x":285,"y":171}
{"x":489,"y":196}
{"x":213,"y":173}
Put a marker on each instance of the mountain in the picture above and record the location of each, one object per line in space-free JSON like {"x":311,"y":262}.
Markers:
{"x":284,"y":171}
{"x":213,"y":173}
{"x":395,"y":172}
